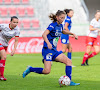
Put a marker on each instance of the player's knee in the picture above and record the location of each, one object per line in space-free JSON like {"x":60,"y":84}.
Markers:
{"x":3,"y":57}
{"x":97,"y":52}
{"x":69,"y":62}
{"x":46,"y":71}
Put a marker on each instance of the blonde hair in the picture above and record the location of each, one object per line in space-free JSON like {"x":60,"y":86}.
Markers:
{"x":97,"y":11}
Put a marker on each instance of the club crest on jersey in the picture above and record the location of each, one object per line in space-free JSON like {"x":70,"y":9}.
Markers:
{"x":63,"y":40}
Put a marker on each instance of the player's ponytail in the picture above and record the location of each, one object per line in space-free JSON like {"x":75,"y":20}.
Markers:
{"x":53,"y":16}
{"x":67,"y":10}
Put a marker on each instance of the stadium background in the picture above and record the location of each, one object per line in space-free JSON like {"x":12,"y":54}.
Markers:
{"x":33,"y":20}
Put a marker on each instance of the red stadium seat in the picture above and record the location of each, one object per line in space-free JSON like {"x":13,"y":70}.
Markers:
{"x":35,"y":23}
{"x":4,"y":11}
{"x":26,"y":24}
{"x":1,"y":1}
{"x":16,"y":1}
{"x":12,"y":11}
{"x":25,"y":1}
{"x":6,"y":21}
{"x":7,"y":1}
{"x":30,"y":11}
{"x":21,"y":11}
{"x":1,"y":21}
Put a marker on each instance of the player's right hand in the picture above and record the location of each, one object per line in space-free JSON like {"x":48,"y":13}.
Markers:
{"x":49,"y":46}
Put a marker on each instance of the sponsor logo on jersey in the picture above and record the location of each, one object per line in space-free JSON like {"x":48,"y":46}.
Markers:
{"x":58,"y":33}
{"x":51,"y":26}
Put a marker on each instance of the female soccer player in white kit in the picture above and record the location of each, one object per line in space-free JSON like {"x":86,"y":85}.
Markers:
{"x":92,"y":40}
{"x":7,"y":31}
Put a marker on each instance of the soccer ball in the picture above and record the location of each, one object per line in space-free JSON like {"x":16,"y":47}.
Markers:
{"x":64,"y":80}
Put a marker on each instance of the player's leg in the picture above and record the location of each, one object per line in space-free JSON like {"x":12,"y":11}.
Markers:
{"x":85,"y":57}
{"x":96,"y":51}
{"x":2,"y":64}
{"x":69,"y":54}
{"x":64,"y":47}
{"x":39,"y":70}
{"x":96,"y":48}
{"x":64,"y":59}
{"x":65,"y":42}
{"x":89,"y":44}
{"x":46,"y":70}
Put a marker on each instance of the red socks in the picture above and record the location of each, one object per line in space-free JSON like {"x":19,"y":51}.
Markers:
{"x":85,"y":58}
{"x":92,"y":54}
{"x":2,"y":66}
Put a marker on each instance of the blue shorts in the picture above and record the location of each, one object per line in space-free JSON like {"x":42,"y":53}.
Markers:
{"x":64,"y":39}
{"x":50,"y":54}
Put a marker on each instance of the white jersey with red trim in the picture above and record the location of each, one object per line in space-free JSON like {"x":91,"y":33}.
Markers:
{"x":95,"y":24}
{"x":6,"y":33}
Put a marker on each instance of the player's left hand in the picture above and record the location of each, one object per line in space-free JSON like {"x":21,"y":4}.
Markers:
{"x":12,"y":52}
{"x":72,"y":36}
{"x":76,"y":37}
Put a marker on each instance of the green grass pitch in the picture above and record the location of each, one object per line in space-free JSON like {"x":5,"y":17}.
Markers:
{"x":87,"y":76}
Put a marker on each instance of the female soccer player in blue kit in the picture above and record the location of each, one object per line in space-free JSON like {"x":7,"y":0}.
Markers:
{"x":67,"y":24}
{"x":49,"y":51}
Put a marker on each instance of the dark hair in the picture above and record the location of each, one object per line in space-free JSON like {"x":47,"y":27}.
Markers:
{"x":13,"y":18}
{"x":67,"y":10}
{"x":53,"y":16}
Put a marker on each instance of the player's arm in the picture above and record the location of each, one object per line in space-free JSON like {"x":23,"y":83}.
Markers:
{"x":66,"y":26}
{"x":15,"y":45}
{"x":68,"y":32}
{"x":91,"y":28}
{"x":44,"y":35}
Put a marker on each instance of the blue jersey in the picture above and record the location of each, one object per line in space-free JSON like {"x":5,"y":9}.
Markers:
{"x":68,"y":20}
{"x":65,"y":37}
{"x":55,"y":33}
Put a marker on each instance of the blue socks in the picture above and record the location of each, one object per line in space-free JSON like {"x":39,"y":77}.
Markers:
{"x":36,"y":70}
{"x":69,"y":55}
{"x":68,"y":71}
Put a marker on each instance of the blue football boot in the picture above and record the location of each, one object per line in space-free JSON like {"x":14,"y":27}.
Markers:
{"x":74,"y":84}
{"x":26,"y":72}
